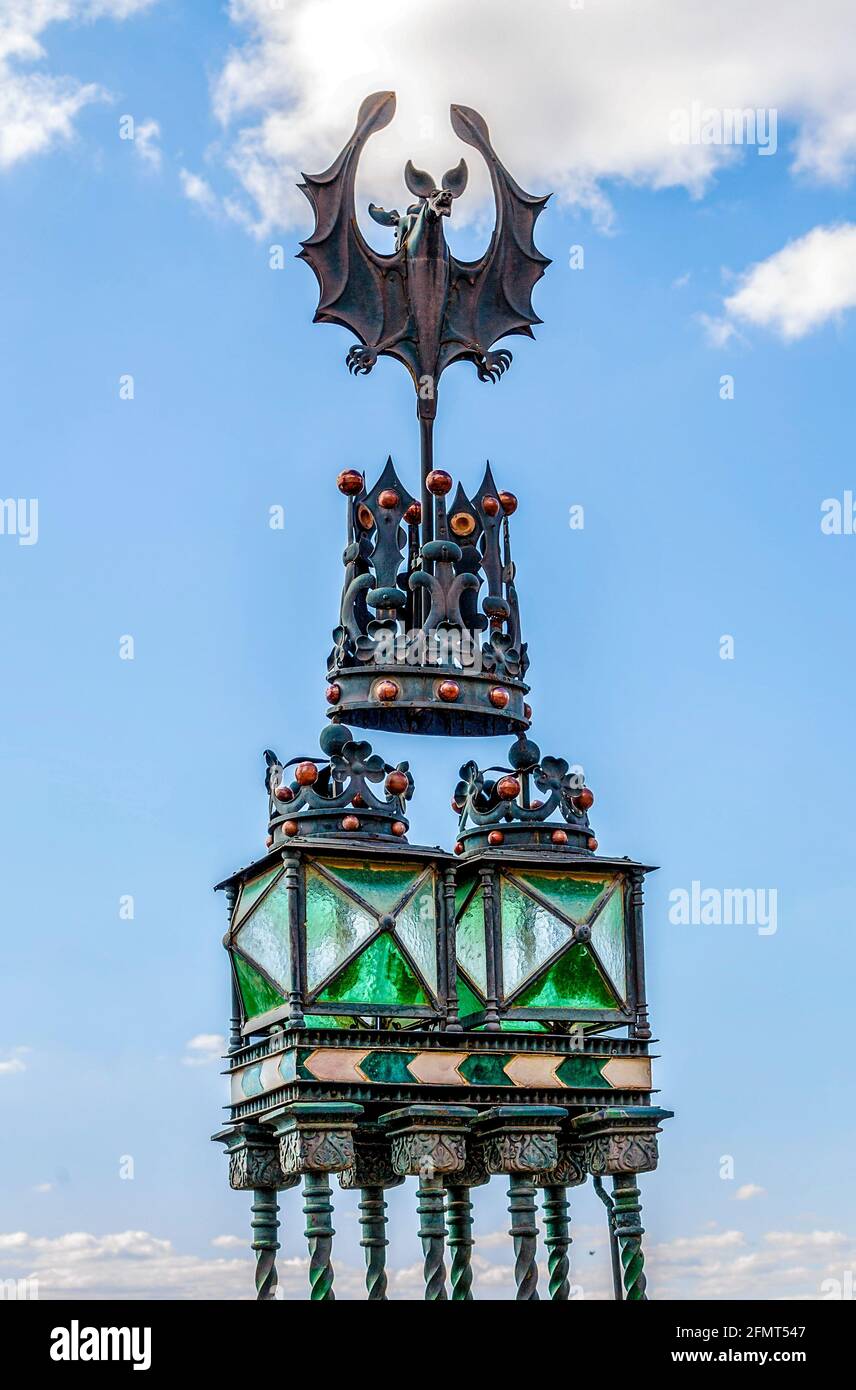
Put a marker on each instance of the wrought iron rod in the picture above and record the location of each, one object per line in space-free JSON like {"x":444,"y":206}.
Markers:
{"x":432,"y":1233}
{"x":617,"y":1287}
{"x":629,"y":1230}
{"x":318,"y":1209}
{"x":558,"y":1241}
{"x":374,"y":1241}
{"x":265,"y":1224}
{"x":459,"y":1217}
{"x":524,"y":1232}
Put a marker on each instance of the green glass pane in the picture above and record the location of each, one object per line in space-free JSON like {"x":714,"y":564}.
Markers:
{"x":530,"y":936}
{"x":327,"y":1021}
{"x":574,"y":896}
{"x":265,"y":938}
{"x":468,"y":1001}
{"x":257,"y":994}
{"x":380,"y":885}
{"x":462,"y":888}
{"x":335,"y":928}
{"x":252,"y":891}
{"x":379,"y":975}
{"x":416,"y":929}
{"x":521,"y":1025}
{"x":471,"y":951}
{"x":573,"y":981}
{"x":607,"y":938}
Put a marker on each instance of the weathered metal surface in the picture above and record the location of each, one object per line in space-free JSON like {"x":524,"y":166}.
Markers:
{"x":420,"y":304}
{"x":389,"y":1068}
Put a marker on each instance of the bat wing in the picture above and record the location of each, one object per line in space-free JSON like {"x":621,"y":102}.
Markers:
{"x":492,"y":297}
{"x":360,"y":289}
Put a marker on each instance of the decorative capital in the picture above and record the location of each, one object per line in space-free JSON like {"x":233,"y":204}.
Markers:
{"x":254,"y":1161}
{"x":428,"y":1140}
{"x":372,"y":1166}
{"x":569,"y":1169}
{"x":316,"y":1138}
{"x":519,"y":1138}
{"x":619,"y":1141}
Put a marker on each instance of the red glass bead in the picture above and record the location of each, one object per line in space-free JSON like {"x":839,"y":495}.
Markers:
{"x":439,"y":482}
{"x":349,"y":482}
{"x":508,"y":788}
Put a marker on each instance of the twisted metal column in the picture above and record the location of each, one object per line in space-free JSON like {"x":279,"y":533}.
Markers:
{"x":558,"y":1241}
{"x":629,"y":1231}
{"x":265,"y":1226}
{"x":318,"y":1209}
{"x":460,"y":1221}
{"x":524,"y":1232}
{"x":617,"y":1289}
{"x":374,"y":1241}
{"x":432,"y":1233}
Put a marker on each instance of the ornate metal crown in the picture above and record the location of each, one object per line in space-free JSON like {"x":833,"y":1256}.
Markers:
{"x":333,"y":795}
{"x":502,"y":810}
{"x":417,"y":648}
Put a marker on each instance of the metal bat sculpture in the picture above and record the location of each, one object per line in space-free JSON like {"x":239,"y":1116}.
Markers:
{"x":421,"y":304}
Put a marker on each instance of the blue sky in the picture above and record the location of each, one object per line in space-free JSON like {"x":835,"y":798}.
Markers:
{"x":702,"y":519}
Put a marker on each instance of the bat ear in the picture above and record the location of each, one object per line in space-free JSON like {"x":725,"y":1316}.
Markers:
{"x":418,"y":181}
{"x":456,"y":179}
{"x":386,"y":219}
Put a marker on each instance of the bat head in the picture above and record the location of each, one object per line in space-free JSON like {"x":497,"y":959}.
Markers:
{"x":438,"y":200}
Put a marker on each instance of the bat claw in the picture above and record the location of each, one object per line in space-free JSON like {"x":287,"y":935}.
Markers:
{"x":360,"y":360}
{"x":493,"y":365}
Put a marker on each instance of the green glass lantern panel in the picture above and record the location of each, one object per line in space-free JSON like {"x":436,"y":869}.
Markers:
{"x":571,"y":982}
{"x":382,"y":885}
{"x":416,"y":929}
{"x":575,"y":897}
{"x":470,"y":948}
{"x":380,"y":974}
{"x":530,"y":936}
{"x":252,"y":891}
{"x":258,"y":995}
{"x":462,"y":888}
{"x":607,"y":938}
{"x":468,"y":1000}
{"x":335,"y":927}
{"x":265,"y":937}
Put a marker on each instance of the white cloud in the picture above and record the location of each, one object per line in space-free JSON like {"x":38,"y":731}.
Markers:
{"x":199,"y":191}
{"x":748,"y":1191}
{"x":37,"y":108}
{"x":146,"y":142}
{"x":14,"y":1062}
{"x":713,"y":1265}
{"x":574,"y":97}
{"x":203,"y":1049}
{"x":798,"y":289}
{"x":42,"y":1187}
